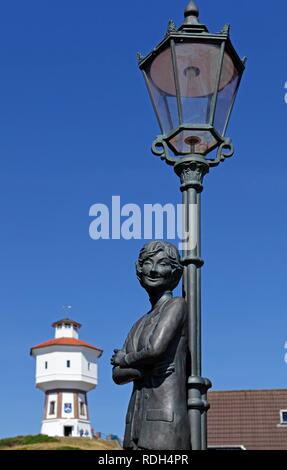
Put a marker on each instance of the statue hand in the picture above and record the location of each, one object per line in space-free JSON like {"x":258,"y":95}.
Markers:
{"x":118,"y":358}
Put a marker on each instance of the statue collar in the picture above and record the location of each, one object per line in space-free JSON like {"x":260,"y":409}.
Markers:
{"x":165,"y":296}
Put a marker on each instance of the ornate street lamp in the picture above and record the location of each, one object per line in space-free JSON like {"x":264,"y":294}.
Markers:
{"x":193,"y":77}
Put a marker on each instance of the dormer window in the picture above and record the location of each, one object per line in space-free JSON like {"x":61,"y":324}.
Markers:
{"x":283,"y":417}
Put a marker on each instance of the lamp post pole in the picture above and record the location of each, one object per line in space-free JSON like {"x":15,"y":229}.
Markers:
{"x":191,"y":173}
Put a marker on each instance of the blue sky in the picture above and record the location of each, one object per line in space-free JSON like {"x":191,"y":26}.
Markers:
{"x":76,"y":127}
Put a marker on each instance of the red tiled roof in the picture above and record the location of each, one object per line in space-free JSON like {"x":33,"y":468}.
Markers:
{"x":66,"y":342}
{"x":250,"y":418}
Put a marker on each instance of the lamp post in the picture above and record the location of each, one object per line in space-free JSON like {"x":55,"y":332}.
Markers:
{"x":192,"y":78}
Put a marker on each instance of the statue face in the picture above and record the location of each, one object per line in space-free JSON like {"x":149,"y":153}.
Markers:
{"x":156,"y":273}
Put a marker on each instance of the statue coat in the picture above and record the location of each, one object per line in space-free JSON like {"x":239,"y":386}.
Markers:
{"x":156,"y":354}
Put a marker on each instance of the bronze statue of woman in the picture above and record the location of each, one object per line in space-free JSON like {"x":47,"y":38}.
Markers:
{"x":154,"y":357}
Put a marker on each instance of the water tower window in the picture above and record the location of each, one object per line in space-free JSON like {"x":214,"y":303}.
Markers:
{"x":89,"y":365}
{"x":67,"y":325}
{"x":68,"y":363}
{"x":46,"y":364}
{"x":52,"y":408}
{"x":82,"y":408}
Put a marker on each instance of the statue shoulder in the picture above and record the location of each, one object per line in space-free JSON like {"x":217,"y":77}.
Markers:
{"x":177,"y":304}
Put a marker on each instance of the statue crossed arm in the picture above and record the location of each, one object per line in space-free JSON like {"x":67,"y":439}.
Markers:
{"x":123,"y":374}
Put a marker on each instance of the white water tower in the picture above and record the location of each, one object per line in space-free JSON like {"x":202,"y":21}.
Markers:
{"x":66,"y":369}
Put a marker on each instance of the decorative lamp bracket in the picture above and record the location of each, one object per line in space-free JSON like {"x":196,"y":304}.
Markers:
{"x":160,"y":149}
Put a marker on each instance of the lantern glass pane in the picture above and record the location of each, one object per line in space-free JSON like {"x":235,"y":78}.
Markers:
{"x":160,"y":77}
{"x":197,"y":66}
{"x":226,"y":94}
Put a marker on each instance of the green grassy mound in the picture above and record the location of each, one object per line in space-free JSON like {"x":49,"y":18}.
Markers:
{"x":42,"y":442}
{"x":26,"y":440}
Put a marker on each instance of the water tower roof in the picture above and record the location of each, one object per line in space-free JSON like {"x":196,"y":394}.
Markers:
{"x":66,"y":321}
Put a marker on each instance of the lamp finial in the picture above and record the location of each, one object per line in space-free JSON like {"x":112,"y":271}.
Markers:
{"x":191,"y":22}
{"x":191,"y":10}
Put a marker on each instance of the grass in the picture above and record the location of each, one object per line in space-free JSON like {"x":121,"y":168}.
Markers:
{"x":42,"y":442}
{"x":26,"y":440}
{"x":68,"y":448}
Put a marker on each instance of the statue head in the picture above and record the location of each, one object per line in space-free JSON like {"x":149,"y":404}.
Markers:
{"x":158,"y":267}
